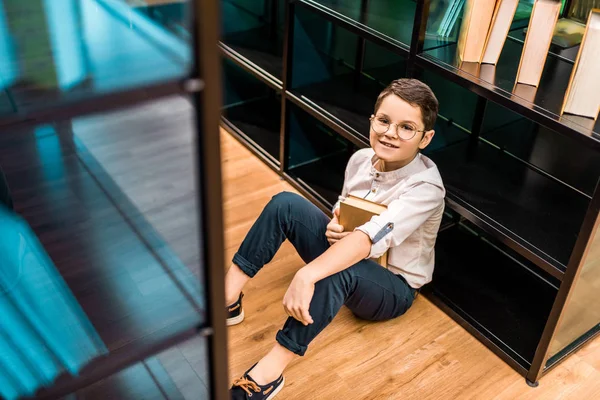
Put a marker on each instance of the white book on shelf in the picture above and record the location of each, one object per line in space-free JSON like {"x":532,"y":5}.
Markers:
{"x":537,"y":41}
{"x":503,"y":17}
{"x":583,"y":94}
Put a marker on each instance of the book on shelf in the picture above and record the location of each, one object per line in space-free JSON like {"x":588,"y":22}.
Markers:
{"x":499,"y":27}
{"x":583,"y":93}
{"x":537,"y":41}
{"x":355,"y":212}
{"x":474,"y":29}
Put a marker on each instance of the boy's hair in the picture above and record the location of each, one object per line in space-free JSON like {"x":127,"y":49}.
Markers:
{"x":415,"y":93}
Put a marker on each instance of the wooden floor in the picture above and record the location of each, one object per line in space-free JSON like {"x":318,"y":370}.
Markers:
{"x":421,"y":355}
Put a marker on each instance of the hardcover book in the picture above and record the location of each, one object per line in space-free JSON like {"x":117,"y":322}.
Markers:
{"x":355,"y":212}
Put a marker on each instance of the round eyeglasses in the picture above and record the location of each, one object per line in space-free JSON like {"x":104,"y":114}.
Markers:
{"x":381,"y":125}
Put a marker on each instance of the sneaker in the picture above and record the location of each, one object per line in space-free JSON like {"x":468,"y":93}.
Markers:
{"x":235,"y":312}
{"x":246,"y":388}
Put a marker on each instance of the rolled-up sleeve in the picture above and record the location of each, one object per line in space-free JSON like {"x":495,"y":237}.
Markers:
{"x":402,"y":217}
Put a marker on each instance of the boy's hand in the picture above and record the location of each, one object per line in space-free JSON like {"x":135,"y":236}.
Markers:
{"x":335,"y":231}
{"x":296,"y":301}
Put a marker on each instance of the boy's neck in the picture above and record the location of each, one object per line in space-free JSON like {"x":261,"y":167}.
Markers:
{"x":388,"y":167}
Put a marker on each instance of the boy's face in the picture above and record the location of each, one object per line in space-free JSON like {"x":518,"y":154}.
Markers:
{"x":396,"y":147}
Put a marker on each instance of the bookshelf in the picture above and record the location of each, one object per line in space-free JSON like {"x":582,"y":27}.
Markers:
{"x":515,"y":260}
{"x":111,"y":90}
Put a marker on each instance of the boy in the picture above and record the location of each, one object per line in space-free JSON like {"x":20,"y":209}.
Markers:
{"x":339,"y":270}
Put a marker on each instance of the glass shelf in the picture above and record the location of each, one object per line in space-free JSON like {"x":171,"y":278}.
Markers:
{"x":331,"y":71}
{"x":502,"y":299}
{"x":253,"y":109}
{"x":112,"y":200}
{"x":512,"y":198}
{"x":317,"y":156}
{"x":542,"y":148}
{"x":394,"y":19}
{"x":83,"y":50}
{"x":254,"y":30}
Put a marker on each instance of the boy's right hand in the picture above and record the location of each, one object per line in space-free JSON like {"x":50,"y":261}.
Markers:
{"x":335,"y":231}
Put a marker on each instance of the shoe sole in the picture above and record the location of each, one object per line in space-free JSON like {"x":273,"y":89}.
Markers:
{"x":236,"y":320}
{"x":272,"y":396}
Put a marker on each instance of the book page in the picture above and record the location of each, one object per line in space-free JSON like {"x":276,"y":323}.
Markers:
{"x":537,"y":42}
{"x":584,"y":96}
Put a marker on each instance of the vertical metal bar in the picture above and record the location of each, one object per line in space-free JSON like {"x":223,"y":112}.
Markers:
{"x":360,"y":46}
{"x":477,"y":125}
{"x":541,"y":354}
{"x":288,"y":57}
{"x":207,"y":99}
{"x":418,"y":35}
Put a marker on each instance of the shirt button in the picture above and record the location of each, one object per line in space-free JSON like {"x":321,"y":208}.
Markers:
{"x":377,"y":175}
{"x":373,"y":190}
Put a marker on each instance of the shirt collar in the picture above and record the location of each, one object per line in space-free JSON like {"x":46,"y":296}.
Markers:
{"x":411,"y":168}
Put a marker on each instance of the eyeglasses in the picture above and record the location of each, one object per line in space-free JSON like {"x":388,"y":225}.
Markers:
{"x":381,"y":125}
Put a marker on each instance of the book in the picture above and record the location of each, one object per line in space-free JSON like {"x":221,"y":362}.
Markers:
{"x":583,"y":93}
{"x":474,"y":29}
{"x":537,"y":41}
{"x":355,"y":212}
{"x":499,"y":27}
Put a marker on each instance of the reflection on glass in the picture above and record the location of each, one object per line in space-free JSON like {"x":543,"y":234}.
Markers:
{"x":66,"y":50}
{"x":254,"y":29}
{"x":582,"y":310}
{"x":112,"y":199}
{"x":43,"y":330}
{"x":392,"y":18}
{"x":317,"y":156}
{"x":252,"y":107}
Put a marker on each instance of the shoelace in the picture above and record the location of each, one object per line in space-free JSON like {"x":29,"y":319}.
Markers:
{"x":246,"y":385}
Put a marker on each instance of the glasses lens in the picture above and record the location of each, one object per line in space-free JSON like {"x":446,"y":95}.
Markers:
{"x":380,"y":126}
{"x":406,"y":132}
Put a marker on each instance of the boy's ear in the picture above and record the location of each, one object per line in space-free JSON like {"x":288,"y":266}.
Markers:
{"x":427,"y":137}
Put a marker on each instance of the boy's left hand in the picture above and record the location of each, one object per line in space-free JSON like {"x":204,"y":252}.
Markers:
{"x":296,"y":301}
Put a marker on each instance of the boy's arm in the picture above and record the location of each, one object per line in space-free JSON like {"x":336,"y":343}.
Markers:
{"x":348,"y":251}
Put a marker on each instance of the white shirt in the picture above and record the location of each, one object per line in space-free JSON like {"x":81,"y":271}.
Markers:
{"x":414,"y":195}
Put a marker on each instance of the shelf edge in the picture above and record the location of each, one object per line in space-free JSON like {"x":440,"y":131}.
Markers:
{"x":272,"y":81}
{"x":355,"y":27}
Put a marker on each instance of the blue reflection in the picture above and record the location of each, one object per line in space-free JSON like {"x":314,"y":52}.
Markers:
{"x":83,"y":47}
{"x":7,"y":61}
{"x":43,"y":330}
{"x":62,"y":18}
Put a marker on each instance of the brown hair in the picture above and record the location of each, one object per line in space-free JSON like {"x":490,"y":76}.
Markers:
{"x":415,"y":93}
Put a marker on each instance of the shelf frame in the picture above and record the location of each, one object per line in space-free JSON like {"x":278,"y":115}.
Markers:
{"x":202,"y":84}
{"x":417,"y":62}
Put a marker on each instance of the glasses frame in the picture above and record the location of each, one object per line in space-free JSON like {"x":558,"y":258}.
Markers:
{"x":395,"y":130}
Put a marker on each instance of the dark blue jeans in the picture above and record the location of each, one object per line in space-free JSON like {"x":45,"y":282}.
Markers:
{"x":370,"y":291}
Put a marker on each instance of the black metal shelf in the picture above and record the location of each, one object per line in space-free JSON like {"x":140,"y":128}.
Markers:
{"x":393,"y":20}
{"x":356,"y":27}
{"x":254,"y":37}
{"x":504,"y":195}
{"x":251,"y":67}
{"x":497,"y":294}
{"x":257,"y":121}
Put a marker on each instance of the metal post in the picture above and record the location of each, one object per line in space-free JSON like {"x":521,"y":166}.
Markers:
{"x":205,"y":86}
{"x":418,"y":36}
